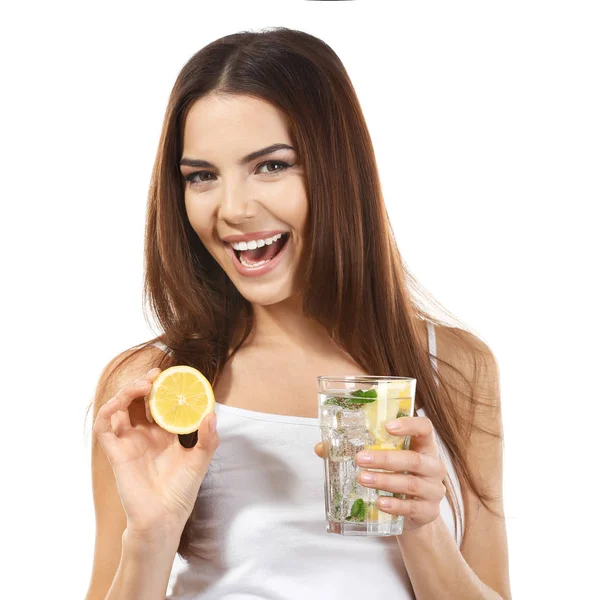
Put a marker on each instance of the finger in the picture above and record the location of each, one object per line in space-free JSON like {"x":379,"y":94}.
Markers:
{"x":421,"y":430}
{"x":319,"y":449}
{"x":119,"y":402}
{"x":420,"y":511}
{"x":121,"y":420}
{"x":208,"y":440}
{"x":417,"y":463}
{"x":150,"y":376}
{"x":148,"y":412}
{"x":417,"y":487}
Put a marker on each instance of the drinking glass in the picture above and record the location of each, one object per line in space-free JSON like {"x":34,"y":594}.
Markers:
{"x":353,"y":411}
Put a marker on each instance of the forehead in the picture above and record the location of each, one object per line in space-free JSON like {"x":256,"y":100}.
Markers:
{"x":236,"y":124}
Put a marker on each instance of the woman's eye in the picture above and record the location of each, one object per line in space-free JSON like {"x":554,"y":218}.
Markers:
{"x":196,"y":178}
{"x":282,"y":164}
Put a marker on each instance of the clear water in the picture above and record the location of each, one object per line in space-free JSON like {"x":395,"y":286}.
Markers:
{"x":351,"y":507}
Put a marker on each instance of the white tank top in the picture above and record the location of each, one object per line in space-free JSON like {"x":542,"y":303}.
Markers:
{"x":259,"y":519}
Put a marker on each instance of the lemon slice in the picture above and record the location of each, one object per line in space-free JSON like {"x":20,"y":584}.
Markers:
{"x":372,"y":513}
{"x":378,"y":413}
{"x":180,"y":399}
{"x":405,"y":405}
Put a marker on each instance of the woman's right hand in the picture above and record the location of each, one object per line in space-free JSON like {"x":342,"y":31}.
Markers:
{"x":158,"y":479}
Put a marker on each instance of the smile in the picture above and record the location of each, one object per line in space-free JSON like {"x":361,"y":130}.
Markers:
{"x":258,"y":257}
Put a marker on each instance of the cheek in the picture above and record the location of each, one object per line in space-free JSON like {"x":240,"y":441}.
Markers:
{"x":199,"y":218}
{"x":295,"y":210}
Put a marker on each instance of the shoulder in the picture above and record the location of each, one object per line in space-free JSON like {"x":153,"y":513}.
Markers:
{"x":126,"y":367}
{"x":467,"y":355}
{"x":473,"y":373}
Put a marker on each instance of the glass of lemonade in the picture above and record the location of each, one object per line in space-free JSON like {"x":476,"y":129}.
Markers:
{"x":353,"y":411}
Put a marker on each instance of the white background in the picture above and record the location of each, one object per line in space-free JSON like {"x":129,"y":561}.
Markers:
{"x":480,"y":121}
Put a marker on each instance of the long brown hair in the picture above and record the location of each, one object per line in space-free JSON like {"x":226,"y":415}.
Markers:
{"x":368,"y":301}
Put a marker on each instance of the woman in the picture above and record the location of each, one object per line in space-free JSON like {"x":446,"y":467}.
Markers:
{"x":264,"y":140}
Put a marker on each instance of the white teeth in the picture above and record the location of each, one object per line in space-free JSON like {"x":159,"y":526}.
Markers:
{"x":251,"y":265}
{"x":253,"y":244}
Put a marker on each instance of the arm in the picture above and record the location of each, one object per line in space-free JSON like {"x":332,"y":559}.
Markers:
{"x":111,"y":520}
{"x":479,"y":570}
{"x":435,"y":563}
{"x":145,"y":566}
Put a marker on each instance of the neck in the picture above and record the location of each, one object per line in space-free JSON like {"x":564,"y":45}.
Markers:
{"x":283,"y":325}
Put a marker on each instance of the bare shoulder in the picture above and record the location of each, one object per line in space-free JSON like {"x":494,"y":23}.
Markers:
{"x":462,"y":345}
{"x":124,"y":368}
{"x":473,"y":373}
{"x":468,"y":362}
{"x":121,"y":370}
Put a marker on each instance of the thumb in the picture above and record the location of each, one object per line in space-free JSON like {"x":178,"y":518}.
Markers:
{"x":208,"y":438}
{"x":199,"y":456}
{"x":319,"y":449}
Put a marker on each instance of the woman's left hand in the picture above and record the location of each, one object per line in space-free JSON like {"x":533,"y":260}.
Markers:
{"x":423,"y":485}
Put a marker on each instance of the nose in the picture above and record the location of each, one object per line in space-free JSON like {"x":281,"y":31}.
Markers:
{"x":235,"y":205}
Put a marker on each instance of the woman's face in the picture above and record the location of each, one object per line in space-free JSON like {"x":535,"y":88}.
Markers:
{"x":234,"y":198}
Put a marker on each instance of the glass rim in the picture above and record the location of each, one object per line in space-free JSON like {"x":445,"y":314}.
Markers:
{"x":365,"y":378}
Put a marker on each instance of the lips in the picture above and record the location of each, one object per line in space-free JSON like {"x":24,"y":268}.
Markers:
{"x":261,"y":269}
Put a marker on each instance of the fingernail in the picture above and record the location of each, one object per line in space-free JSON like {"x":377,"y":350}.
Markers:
{"x":365,"y":457}
{"x":393,"y":425}
{"x":384,"y":502}
{"x":213,"y":424}
{"x":368,"y":478}
{"x":152,"y":371}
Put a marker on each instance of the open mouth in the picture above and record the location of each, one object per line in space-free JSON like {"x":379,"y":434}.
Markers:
{"x":257,"y":257}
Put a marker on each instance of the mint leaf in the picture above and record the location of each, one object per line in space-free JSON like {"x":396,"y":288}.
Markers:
{"x":361,"y":401}
{"x":362,"y":394}
{"x":357,"y":507}
{"x":362,"y":512}
{"x":348,"y":402}
{"x":403,"y":413}
{"x":361,"y":397}
{"x":334,"y":400}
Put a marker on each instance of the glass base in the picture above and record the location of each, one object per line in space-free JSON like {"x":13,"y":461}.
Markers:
{"x":393,"y":527}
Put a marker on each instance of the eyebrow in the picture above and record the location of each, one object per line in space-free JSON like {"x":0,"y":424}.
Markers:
{"x":195,"y":162}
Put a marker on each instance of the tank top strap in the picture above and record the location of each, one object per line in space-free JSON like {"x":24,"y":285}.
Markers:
{"x":161,"y":346}
{"x":432,"y":347}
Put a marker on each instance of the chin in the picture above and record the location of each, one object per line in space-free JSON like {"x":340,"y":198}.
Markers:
{"x":273,"y":294}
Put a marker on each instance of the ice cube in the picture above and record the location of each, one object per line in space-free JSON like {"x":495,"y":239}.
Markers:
{"x":353,"y":420}
{"x":329,"y":416}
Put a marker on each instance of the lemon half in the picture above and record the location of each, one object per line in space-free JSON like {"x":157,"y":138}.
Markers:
{"x":181,"y":397}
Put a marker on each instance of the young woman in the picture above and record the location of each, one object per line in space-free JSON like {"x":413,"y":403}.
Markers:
{"x":264,"y":140}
